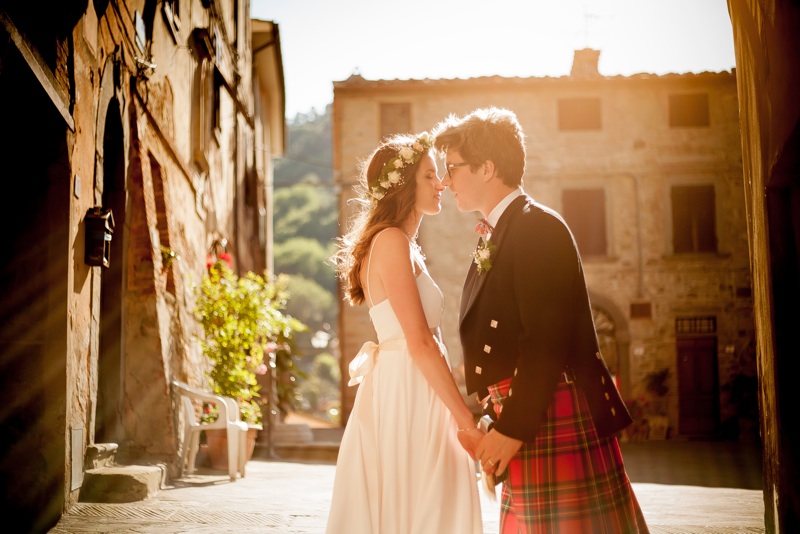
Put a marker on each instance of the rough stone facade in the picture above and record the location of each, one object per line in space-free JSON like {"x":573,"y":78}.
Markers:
{"x":623,"y":155}
{"x":162,"y":113}
{"x":767,"y":48}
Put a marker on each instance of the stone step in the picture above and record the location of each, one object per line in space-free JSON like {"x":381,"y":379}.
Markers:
{"x":292,"y":434}
{"x":310,"y":452}
{"x":122,"y":483}
{"x":101,"y":455}
{"x":328,"y":435}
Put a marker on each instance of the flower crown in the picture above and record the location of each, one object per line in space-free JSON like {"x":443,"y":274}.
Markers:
{"x":390,"y":175}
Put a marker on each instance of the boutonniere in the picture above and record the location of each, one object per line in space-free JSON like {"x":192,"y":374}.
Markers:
{"x":483,"y":255}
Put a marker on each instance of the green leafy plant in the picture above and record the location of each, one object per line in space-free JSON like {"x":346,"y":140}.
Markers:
{"x":657,"y":382}
{"x":243,"y":319}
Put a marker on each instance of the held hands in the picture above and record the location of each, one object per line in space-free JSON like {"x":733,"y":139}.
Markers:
{"x":469,"y":439}
{"x":495,"y":452}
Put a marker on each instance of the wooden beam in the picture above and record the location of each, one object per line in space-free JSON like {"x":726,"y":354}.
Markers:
{"x":40,"y":69}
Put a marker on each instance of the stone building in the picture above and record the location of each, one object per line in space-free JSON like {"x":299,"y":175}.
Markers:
{"x":767,"y":50}
{"x":647,"y":171}
{"x":163,"y":115}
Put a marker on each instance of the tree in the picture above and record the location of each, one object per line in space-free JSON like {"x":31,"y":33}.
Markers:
{"x":307,"y":257}
{"x":320,"y":391}
{"x":310,"y":301}
{"x":305,"y":210}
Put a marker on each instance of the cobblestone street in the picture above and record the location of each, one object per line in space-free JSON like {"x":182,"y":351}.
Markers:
{"x":682,"y":486}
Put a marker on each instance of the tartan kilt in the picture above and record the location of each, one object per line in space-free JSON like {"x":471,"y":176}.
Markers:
{"x":568,"y":480}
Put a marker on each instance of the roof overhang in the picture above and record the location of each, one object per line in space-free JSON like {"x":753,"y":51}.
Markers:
{"x":268,"y":72}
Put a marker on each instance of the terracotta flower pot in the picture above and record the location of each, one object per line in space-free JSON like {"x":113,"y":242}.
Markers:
{"x":217,"y":440}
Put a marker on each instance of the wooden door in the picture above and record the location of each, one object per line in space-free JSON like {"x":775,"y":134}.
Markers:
{"x":698,"y":386}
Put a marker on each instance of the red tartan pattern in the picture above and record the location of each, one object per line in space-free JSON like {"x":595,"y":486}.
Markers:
{"x":568,"y":480}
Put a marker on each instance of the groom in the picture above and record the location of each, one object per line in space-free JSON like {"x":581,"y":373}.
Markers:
{"x":530,"y":348}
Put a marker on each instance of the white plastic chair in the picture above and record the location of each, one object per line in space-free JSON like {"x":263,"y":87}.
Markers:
{"x":229,"y":419}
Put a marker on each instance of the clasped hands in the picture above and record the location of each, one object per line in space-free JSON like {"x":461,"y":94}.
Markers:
{"x":493,"y":449}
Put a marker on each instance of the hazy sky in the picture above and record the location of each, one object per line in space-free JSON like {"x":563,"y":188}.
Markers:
{"x":323,"y":41}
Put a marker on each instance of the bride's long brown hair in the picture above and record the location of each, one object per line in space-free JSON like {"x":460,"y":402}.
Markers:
{"x":373,"y":216}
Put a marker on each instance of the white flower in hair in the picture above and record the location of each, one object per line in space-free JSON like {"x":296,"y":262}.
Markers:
{"x":390,"y":175}
{"x":407,"y":153}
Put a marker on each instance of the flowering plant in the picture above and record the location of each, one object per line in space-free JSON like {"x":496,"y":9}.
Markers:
{"x":390,"y":175}
{"x":483,"y":255}
{"x":210,"y":412}
{"x":243,"y":319}
{"x":637,"y":407}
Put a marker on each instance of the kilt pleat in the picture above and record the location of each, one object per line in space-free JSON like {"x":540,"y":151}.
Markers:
{"x":568,"y":480}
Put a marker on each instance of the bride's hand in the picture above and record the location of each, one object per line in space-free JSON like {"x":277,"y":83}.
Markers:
{"x":469,"y":440}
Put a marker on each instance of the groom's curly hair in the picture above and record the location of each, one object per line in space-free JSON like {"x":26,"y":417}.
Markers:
{"x":487,"y":134}
{"x":370,"y":218}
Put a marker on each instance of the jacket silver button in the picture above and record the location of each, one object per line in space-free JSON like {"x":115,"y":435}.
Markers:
{"x":478,"y":370}
{"x":493,"y":324}
{"x":487,"y":349}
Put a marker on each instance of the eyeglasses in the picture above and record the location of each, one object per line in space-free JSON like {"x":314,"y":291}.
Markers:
{"x":451,"y":166}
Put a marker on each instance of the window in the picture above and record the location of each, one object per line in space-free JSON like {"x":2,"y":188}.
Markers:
{"x":585,"y":213}
{"x":641,"y":310}
{"x":172,"y":15}
{"x":688,"y":110}
{"x":695,"y":325}
{"x":206,"y":95}
{"x":395,"y":118}
{"x":216,"y":115}
{"x":579,"y":114}
{"x":693,"y":219}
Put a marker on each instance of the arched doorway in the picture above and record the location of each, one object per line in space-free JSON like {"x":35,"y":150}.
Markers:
{"x":614,"y":339}
{"x":108,"y":417}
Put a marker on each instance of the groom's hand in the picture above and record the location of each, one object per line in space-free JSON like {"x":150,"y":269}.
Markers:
{"x":495,"y":451}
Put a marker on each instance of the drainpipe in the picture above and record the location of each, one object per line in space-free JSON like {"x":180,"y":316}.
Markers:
{"x":640,"y":253}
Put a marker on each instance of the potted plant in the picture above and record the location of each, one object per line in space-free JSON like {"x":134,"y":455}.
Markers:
{"x":639,"y":428}
{"x":743,"y":390}
{"x":242,"y":319}
{"x":656,"y":384}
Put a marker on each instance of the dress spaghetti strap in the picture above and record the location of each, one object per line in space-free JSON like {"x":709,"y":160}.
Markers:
{"x":369,"y":266}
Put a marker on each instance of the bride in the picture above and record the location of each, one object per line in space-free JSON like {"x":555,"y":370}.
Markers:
{"x":400,"y":467}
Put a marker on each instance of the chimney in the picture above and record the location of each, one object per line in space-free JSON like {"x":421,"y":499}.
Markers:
{"x":584,"y":63}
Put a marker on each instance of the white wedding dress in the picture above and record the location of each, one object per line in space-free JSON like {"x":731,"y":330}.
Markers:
{"x":401,"y":469}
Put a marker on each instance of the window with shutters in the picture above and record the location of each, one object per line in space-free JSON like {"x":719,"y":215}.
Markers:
{"x":395,"y":119}
{"x":585,"y":213}
{"x":579,"y":114}
{"x":693,"y":219}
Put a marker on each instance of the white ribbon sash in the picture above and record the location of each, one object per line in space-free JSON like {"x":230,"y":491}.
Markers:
{"x":365,"y":360}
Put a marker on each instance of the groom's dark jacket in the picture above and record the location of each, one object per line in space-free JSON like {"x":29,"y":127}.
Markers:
{"x":528,"y":318}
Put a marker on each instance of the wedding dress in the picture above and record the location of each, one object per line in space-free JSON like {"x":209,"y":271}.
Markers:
{"x":401,"y":468}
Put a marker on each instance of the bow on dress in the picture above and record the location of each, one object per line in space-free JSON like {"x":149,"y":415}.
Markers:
{"x":364,"y":362}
